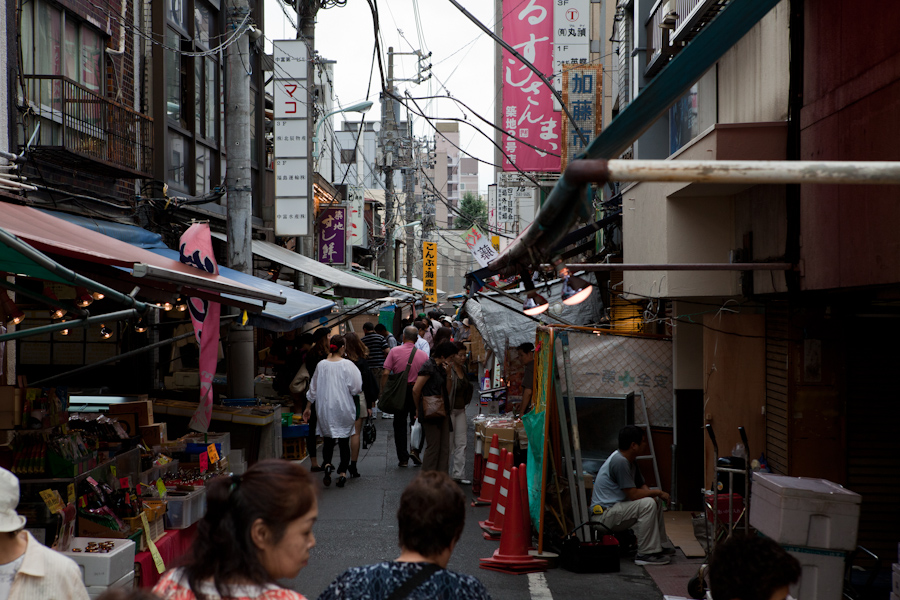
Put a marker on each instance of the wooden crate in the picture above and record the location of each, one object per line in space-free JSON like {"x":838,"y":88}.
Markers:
{"x":294,"y":448}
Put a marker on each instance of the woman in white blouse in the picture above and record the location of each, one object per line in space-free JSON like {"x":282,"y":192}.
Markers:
{"x":332,"y":388}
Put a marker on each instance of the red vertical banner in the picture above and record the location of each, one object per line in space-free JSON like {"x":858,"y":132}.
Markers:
{"x":527,"y":103}
{"x":196,"y":250}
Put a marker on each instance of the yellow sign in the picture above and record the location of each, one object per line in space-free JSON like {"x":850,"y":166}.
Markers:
{"x":154,"y":551}
{"x":495,"y":242}
{"x":213,"y":453}
{"x":161,"y":488}
{"x":70,"y":492}
{"x":429,"y":271}
{"x":53,"y":500}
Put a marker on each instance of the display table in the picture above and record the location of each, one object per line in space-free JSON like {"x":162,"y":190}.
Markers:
{"x":172,"y":546}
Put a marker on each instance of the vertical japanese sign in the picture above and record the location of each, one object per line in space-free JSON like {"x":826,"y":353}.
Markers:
{"x":195,"y":249}
{"x":527,"y":103}
{"x":582,"y":94}
{"x":332,"y":238}
{"x":356,"y":219}
{"x":479,"y":245}
{"x":291,"y":158}
{"x":429,"y":271}
{"x":571,"y":38}
{"x":492,"y":205}
{"x":506,"y":205}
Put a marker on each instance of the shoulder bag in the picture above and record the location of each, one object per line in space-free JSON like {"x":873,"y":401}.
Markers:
{"x":393,"y":396}
{"x":407,"y":587}
{"x":300,"y":383}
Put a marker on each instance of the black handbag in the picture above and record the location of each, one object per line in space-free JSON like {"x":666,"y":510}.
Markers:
{"x":369,"y":432}
{"x":393,"y":396}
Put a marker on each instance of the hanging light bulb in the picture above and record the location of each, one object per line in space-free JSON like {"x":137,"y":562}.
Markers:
{"x":105,"y":332}
{"x":14,"y":316}
{"x":55,"y":312}
{"x":98,"y":296}
{"x":575,"y":290}
{"x":63,"y":331}
{"x":534,"y":304}
{"x":180,"y":305}
{"x":140,"y":325}
{"x":83,"y":298}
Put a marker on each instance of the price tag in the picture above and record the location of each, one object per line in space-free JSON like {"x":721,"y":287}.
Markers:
{"x":71,"y":493}
{"x":161,"y":488}
{"x":53,"y":500}
{"x":154,"y":551}
{"x":125,"y":483}
{"x":204,"y":462}
{"x":213,"y":454}
{"x":112,"y":469}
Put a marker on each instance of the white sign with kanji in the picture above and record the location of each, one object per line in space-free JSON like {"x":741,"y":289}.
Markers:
{"x":506,"y":205}
{"x":290,"y":177}
{"x":290,"y":58}
{"x":571,"y":38}
{"x":291,"y":216}
{"x":290,"y":138}
{"x":479,"y":245}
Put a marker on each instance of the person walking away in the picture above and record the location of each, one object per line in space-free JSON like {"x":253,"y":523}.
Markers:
{"x":314,"y":356}
{"x":432,"y":382}
{"x":357,"y":353}
{"x":460,"y":396}
{"x":443,"y":334}
{"x":28,"y":569}
{"x":332,"y":388}
{"x":527,"y":352}
{"x":627,"y":502}
{"x":378,"y":349}
{"x":422,"y":341}
{"x":396,"y":363}
{"x":257,"y":530}
{"x":430,"y":521}
{"x":751,"y":568}
{"x":381,"y":330}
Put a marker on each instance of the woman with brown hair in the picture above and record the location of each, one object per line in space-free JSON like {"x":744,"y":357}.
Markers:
{"x":257,"y":530}
{"x":331,"y":391}
{"x":430,"y":389}
{"x":358,"y":353}
{"x":430,"y":520}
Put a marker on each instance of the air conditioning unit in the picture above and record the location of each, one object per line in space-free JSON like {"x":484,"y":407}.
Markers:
{"x":669,"y":16}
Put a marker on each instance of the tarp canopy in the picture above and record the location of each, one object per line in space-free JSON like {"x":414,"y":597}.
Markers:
{"x":56,"y":236}
{"x":344,"y":283}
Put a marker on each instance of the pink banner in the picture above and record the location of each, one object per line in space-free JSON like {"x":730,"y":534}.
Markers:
{"x":196,"y":251}
{"x":527,"y":103}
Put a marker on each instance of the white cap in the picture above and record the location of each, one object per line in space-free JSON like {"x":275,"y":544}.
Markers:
{"x":10,"y":520}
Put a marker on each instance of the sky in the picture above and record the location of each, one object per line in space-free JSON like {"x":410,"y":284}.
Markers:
{"x":462,"y":60}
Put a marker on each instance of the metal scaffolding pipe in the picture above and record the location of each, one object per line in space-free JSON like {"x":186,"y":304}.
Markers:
{"x":750,"y":171}
{"x":74,"y":323}
{"x":682,"y":267}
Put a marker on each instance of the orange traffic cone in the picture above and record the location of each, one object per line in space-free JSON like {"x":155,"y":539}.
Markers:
{"x":493,"y":526}
{"x":491,"y":470}
{"x":512,"y":556}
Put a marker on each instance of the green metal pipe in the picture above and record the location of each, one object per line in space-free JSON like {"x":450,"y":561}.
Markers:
{"x":66,"y":306}
{"x":556,"y":215}
{"x":68,"y":274}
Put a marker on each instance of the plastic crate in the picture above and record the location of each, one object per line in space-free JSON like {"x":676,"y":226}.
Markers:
{"x":294,"y":431}
{"x":198,"y":442}
{"x":185,"y":508}
{"x":156,"y":522}
{"x":294,"y":448}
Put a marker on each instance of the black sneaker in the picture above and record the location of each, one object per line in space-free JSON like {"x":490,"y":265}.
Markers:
{"x":652,"y":559}
{"x":666,"y":551}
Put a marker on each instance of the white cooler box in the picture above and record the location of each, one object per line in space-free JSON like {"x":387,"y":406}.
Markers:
{"x":822,"y":575}
{"x":103,"y":568}
{"x":799,"y":511}
{"x":126,"y":583}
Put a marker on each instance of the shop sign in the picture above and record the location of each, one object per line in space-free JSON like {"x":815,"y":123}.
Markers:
{"x":479,"y":245}
{"x":582,"y":88}
{"x":292,"y":201}
{"x":429,"y":271}
{"x":332,"y":236}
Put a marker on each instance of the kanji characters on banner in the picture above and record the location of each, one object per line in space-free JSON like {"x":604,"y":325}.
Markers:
{"x":429,"y":271}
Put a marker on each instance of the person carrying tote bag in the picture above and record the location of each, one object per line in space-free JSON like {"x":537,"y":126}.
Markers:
{"x":402,"y":367}
{"x":432,"y":406}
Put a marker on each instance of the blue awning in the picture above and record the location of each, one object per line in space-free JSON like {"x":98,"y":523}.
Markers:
{"x":299,"y":309}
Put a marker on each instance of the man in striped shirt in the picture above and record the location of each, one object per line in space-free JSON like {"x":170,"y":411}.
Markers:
{"x":378,"y":349}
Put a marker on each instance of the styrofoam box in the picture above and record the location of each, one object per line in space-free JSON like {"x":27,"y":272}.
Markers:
{"x":895,"y":579}
{"x":127,"y":583}
{"x":103,"y":568}
{"x":822,"y":573}
{"x":814,"y":513}
{"x":894,"y":596}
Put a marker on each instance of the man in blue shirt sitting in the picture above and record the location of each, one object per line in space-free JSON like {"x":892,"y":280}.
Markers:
{"x":628,"y":503}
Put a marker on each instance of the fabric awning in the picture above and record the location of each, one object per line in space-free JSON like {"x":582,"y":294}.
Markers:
{"x":345,"y":284}
{"x":53,"y":235}
{"x":299,"y":309}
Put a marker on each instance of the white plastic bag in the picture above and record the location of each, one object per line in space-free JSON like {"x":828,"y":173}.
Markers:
{"x":415,"y":437}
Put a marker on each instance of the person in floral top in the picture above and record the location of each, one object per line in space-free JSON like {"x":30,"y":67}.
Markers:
{"x":257,"y":530}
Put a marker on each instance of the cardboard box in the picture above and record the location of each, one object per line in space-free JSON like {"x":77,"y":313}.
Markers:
{"x":129,"y":422}
{"x":505,"y":436}
{"x":103,"y":568}
{"x":187,"y":379}
{"x":10,"y":399}
{"x":154,"y":435}
{"x":10,"y":420}
{"x":143,"y":409}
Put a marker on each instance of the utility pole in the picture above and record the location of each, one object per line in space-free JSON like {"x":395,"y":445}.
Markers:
{"x":388,"y":139}
{"x":237,"y":185}
{"x":306,"y":12}
{"x":409,"y":188}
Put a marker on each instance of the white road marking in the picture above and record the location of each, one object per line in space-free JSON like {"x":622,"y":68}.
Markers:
{"x":537,"y":585}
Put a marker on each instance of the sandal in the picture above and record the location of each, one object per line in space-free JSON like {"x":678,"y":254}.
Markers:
{"x":328,"y":470}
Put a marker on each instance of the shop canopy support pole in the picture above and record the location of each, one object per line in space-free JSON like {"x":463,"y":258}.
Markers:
{"x":582,"y":515}
{"x":568,"y":460}
{"x":678,"y":267}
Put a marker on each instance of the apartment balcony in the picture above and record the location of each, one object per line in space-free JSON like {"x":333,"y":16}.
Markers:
{"x":83,"y":130}
{"x":674,"y":23}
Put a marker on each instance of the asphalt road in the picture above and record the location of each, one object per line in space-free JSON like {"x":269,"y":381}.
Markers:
{"x":358,"y":525}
